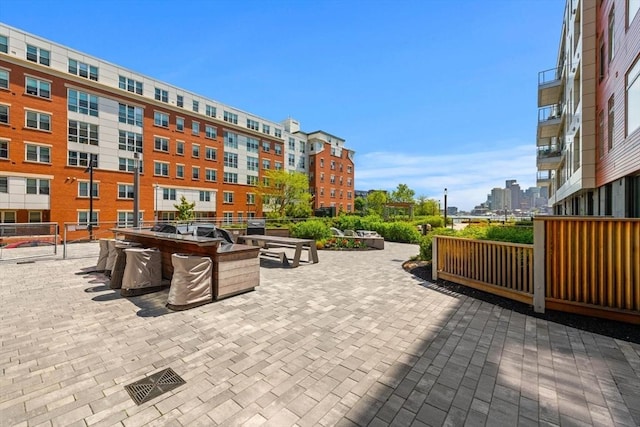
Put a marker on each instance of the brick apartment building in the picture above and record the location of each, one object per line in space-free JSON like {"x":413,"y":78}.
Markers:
{"x":589,"y":112}
{"x":59,"y":108}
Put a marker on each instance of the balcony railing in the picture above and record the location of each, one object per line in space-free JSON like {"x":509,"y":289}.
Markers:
{"x":549,"y":76}
{"x":550,"y":112}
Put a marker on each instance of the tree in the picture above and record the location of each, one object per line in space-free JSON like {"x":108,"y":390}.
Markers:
{"x":359,"y":205}
{"x":427,"y":207}
{"x":287,"y":193}
{"x":186,"y":210}
{"x":403,"y":194}
{"x":376,"y":201}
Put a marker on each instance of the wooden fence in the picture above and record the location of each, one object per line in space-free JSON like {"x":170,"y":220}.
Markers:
{"x":584,"y":265}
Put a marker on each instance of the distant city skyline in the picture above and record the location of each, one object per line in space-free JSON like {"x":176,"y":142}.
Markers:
{"x":431,"y":94}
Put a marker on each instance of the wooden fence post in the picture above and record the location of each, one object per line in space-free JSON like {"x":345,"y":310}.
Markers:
{"x":539,"y":265}
{"x":434,"y":258}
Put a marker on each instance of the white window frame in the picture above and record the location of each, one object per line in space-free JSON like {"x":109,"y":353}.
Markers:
{"x":161,"y":143}
{"x":83,"y":189}
{"x":210,"y":175}
{"x":41,"y":149}
{"x":42,"y":120}
{"x":179,"y":170}
{"x":125,"y":191}
{"x":160,"y":168}
{"x":40,"y":56}
{"x":86,"y":133}
{"x":81,"y":98}
{"x":36,"y":87}
{"x":227,"y":197}
{"x":160,"y":119}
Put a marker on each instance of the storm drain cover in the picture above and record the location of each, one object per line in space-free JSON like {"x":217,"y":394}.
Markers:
{"x":154,"y":385}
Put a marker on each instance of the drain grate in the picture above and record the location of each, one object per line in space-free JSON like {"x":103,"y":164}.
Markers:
{"x":154,"y":385}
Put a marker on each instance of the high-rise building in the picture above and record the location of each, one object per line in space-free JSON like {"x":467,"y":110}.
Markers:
{"x":61,"y":110}
{"x":588,"y":133}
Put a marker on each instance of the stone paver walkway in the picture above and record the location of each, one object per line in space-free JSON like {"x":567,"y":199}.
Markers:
{"x":353,"y":340}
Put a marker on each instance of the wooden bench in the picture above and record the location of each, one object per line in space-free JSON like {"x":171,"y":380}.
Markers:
{"x":275,"y":253}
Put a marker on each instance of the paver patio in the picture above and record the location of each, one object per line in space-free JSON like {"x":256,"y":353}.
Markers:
{"x":353,"y":340}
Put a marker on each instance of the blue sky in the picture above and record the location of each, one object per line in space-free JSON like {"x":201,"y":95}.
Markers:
{"x":430,"y":93}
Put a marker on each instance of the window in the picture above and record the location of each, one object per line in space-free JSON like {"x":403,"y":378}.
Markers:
{"x":612,"y":34}
{"x":4,"y":114}
{"x":195,"y":172}
{"x":321,"y":176}
{"x":130,"y":85}
{"x":130,"y":115}
{"x":195,"y":151}
{"x":302,"y":147}
{"x":125,"y":219}
{"x":37,"y":186}
{"x":161,"y":168}
{"x":210,"y":175}
{"x":4,"y":149}
{"x":610,"y":123}
{"x":265,"y":181}
{"x":179,"y":171}
{"x":130,"y":141}
{"x":210,"y":110}
{"x":292,"y":144}
{"x":180,"y":148}
{"x":179,"y":124}
{"x":231,"y":178}
{"x":38,"y":88}
{"x":633,"y":97}
{"x":332,"y":193}
{"x":332,"y":180}
{"x":83,"y":133}
{"x":168,"y":194}
{"x":277,"y":132}
{"x":252,"y":145}
{"x":210,"y":131}
{"x":277,"y":148}
{"x":125,"y":191}
{"x":179,"y":100}
{"x":161,"y":95}
{"x":38,"y":55}
{"x":227,"y":217}
{"x":266,"y":164}
{"x":230,"y":117}
{"x":195,"y":128}
{"x":83,"y":103}
{"x":196,"y":106}
{"x":632,"y":10}
{"x":252,"y":180}
{"x":348,"y":169}
{"x":161,"y":119}
{"x":231,"y":160}
{"x":252,"y":124}
{"x":292,"y":160}
{"x":40,"y":121}
{"x":251,"y":199}
{"x":266,"y":129}
{"x":252,"y":163}
{"x":83,"y":189}
{"x":76,"y":158}
{"x":230,"y":140}
{"x":600,"y":141}
{"x":4,"y":79}
{"x":321,"y":163}
{"x":333,"y":165}
{"x":83,"y":70}
{"x":266,"y":146}
{"x":83,"y":217}
{"x":38,"y":153}
{"x":205,"y":196}
{"x":127,"y":165}
{"x":348,"y":182}
{"x":228,"y":196}
{"x":210,"y":153}
{"x":278,"y":166}
{"x":161,"y":144}
{"x":4,"y":44}
{"x":4,"y":184}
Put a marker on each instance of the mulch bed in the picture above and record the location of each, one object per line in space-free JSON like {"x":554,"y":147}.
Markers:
{"x":610,"y":328}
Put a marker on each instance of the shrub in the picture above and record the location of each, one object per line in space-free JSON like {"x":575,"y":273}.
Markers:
{"x":402,"y":232}
{"x":342,"y":243}
{"x":312,"y":229}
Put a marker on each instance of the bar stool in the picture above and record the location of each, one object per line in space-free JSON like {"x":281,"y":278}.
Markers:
{"x":191,"y":283}
{"x":111,"y":258}
{"x":142,"y":272}
{"x":117,"y":273}
{"x":101,"y":265}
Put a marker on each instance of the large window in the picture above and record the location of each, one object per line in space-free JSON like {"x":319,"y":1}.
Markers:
{"x":83,"y":217}
{"x":161,"y":119}
{"x":38,"y":55}
{"x":130,"y":141}
{"x":125,"y":218}
{"x":162,"y":95}
{"x":210,"y":110}
{"x":168,"y":194}
{"x":252,"y":145}
{"x":130,"y":115}
{"x":266,"y":164}
{"x":205,"y":196}
{"x":210,"y":153}
{"x":161,"y":144}
{"x":230,"y":140}
{"x":210,"y":175}
{"x":161,"y":168}
{"x":37,"y":186}
{"x":252,"y":124}
{"x":231,"y":160}
{"x":4,"y":79}
{"x":125,"y":191}
{"x":230,"y":178}
{"x":83,"y":103}
{"x":127,"y":165}
{"x":37,"y":120}
{"x":266,"y":128}
{"x":76,"y":158}
{"x":83,"y":70}
{"x":252,"y":163}
{"x":210,"y":131}
{"x":130,"y":85}
{"x":37,"y":87}
{"x":83,"y":189}
{"x":230,"y":117}
{"x":83,"y":133}
{"x":228,"y":196}
{"x":633,"y":98}
{"x":4,"y":149}
{"x":38,"y":153}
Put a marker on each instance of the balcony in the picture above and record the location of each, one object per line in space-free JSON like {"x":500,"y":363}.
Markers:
{"x":549,"y":121}
{"x":550,"y":86}
{"x":544,"y":178}
{"x":549,"y":158}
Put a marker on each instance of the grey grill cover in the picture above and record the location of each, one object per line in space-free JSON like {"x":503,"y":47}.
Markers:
{"x":117,"y":273}
{"x":143,"y":268}
{"x":103,"y":255}
{"x":191,"y":281}
{"x":112,"y":254}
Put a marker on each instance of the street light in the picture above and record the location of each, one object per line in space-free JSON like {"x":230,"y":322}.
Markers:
{"x":445,"y":207}
{"x":90,"y":171}
{"x":155,"y":206}
{"x":136,"y":190}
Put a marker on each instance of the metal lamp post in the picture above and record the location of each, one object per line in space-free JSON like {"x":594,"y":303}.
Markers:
{"x":155,"y":206}
{"x":136,"y":190}
{"x":90,"y":171}
{"x":445,"y":207}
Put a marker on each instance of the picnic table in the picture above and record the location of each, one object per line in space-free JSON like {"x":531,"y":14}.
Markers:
{"x":279,"y":241}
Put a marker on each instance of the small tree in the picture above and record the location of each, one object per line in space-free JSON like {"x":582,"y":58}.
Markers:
{"x":427,"y":207}
{"x":186,"y":210}
{"x":403,"y":194}
{"x":287,"y":193}
{"x":376,"y":201}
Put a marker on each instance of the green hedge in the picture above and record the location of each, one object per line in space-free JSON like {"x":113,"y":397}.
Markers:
{"x":312,"y":229}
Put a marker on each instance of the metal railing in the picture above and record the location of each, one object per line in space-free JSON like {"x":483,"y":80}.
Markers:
{"x":549,"y":76}
{"x":28,"y":240}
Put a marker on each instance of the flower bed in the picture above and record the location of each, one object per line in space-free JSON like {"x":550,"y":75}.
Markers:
{"x":340,"y":243}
